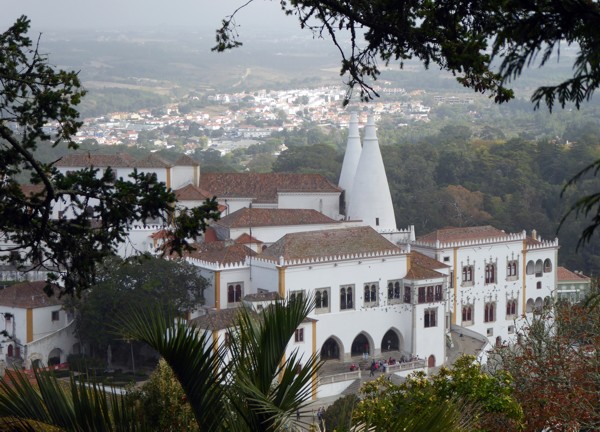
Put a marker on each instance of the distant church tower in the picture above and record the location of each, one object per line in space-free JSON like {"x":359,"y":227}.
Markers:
{"x":351,"y":158}
{"x":370,"y":198}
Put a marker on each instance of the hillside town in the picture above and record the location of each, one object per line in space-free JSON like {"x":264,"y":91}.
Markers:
{"x":250,"y":116}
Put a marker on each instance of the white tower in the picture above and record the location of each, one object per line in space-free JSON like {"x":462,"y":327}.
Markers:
{"x":371,"y":199}
{"x":351,"y":158}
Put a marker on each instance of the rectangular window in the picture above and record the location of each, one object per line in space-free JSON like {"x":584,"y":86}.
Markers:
{"x":421,"y":294}
{"x":55,"y":315}
{"x":407,"y":294}
{"x":490,"y":273}
{"x":430,"y":318}
{"x":446,"y":259}
{"x":430,"y":294}
{"x":370,"y":291}
{"x":346,"y":297}
{"x":235,"y":292}
{"x":451,"y":278}
{"x":322,"y":300}
{"x":299,"y":335}
{"x":438,"y":295}
{"x":512,"y":270}
{"x":467,"y":275}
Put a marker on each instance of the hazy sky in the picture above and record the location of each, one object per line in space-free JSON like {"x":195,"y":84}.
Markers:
{"x":120,"y":14}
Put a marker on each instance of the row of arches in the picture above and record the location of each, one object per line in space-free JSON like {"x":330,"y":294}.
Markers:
{"x":333,"y":348}
{"x":538,"y":304}
{"x":539,"y":267}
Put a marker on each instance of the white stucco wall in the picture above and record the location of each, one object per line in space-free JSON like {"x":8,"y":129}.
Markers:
{"x":326,"y":203}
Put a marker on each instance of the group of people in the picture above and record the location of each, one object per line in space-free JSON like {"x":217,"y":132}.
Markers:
{"x":381,"y":364}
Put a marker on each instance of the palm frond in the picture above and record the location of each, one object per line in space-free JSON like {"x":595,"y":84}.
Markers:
{"x":196,"y":360}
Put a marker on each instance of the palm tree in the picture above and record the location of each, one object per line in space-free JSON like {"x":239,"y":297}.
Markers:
{"x":249,"y":386}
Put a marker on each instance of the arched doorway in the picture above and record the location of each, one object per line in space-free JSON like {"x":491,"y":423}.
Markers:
{"x":390,"y":341}
{"x":54,"y":357}
{"x":330,"y":350}
{"x":431,"y":361}
{"x":360,"y":346}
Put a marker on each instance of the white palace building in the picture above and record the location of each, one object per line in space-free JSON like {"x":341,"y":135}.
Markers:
{"x":377,"y":288}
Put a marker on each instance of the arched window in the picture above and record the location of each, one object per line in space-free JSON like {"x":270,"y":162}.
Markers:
{"x":234,"y":292}
{"x":538,"y":268}
{"x":467,"y":313}
{"x":373,"y":293}
{"x":318,"y":300}
{"x":325,"y":299}
{"x":511,"y":268}
{"x":488,"y":314}
{"x":390,"y":291}
{"x":397,"y":289}
{"x":370,"y":294}
{"x":511,"y":307}
{"x":530,"y":267}
{"x":547,"y":265}
{"x":346,"y":297}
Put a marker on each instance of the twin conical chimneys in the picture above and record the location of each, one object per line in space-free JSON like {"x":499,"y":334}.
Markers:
{"x":369,"y":198}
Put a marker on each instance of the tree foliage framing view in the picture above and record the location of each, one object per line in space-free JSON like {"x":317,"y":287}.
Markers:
{"x":33,"y":96}
{"x":485,"y":44}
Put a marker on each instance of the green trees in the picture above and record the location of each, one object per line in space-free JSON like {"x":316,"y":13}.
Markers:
{"x":37,"y":108}
{"x":134,"y":283}
{"x":463,"y":398}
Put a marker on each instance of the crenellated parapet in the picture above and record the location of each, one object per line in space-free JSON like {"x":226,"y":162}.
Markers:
{"x":216,"y":266}
{"x":331,"y":259}
{"x":477,"y":242}
{"x":543,"y":244}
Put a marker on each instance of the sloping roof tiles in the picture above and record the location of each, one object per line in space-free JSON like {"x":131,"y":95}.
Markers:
{"x":325,"y":243}
{"x":563,"y":275}
{"x":191,"y":192}
{"x":264,"y":187}
{"x":257,"y":217}
{"x":27,"y":295}
{"x":452,"y":234}
{"x":119,"y":160}
{"x":221,"y":252}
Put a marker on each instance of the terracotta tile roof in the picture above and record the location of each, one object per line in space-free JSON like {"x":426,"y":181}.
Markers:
{"x":247,"y":238}
{"x":325,"y":243}
{"x":152,"y":161}
{"x":27,"y":295}
{"x":418,"y":272}
{"x":257,"y":217}
{"x":263,"y":187}
{"x":191,"y":193}
{"x":530,"y":241}
{"x":263,"y":296}
{"x":119,"y":160}
{"x":217,"y":320}
{"x":563,"y":275}
{"x":417,"y":258}
{"x":452,"y":234}
{"x":32,"y":189}
{"x":221,"y":252}
{"x":185,"y":160}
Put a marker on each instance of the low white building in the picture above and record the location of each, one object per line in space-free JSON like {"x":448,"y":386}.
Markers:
{"x":36,"y":327}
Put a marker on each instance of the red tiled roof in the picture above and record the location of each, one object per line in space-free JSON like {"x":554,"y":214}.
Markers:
{"x":262,"y":296}
{"x":152,"y":161}
{"x":32,"y":189}
{"x":452,"y":234}
{"x":417,"y":258}
{"x":192,"y":193}
{"x":119,"y":160}
{"x":314,"y":244}
{"x":562,"y":275}
{"x":221,"y":252}
{"x":246,"y":238}
{"x":217,"y":320}
{"x":185,"y":160}
{"x":264,"y":187}
{"x":256,"y":217}
{"x":27,"y":295}
{"x":418,"y":272}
